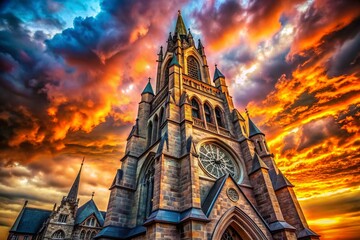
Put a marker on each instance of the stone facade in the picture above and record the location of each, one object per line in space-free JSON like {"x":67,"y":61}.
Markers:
{"x":194,"y":167}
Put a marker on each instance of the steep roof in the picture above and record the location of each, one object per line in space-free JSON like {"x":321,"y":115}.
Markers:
{"x":253,"y":129}
{"x":30,"y":220}
{"x":257,"y":164}
{"x":180,"y":25}
{"x":148,"y":89}
{"x":88,"y":209}
{"x":217,"y":74}
{"x":73,"y":193}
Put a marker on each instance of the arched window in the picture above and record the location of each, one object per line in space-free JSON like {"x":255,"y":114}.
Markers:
{"x":149,"y":134}
{"x":195,"y":109}
{"x":166,"y":75}
{"x":82,"y":235}
{"x":208,"y":114}
{"x":219,"y":118}
{"x":59,"y":234}
{"x":193,"y":68}
{"x":156,"y":125}
{"x":230,"y":234}
{"x":88,"y":235}
{"x":93,"y":234}
{"x":147,"y":191}
{"x":161,"y":120}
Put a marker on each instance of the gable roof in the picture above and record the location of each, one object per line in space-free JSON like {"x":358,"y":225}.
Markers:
{"x":88,"y":209}
{"x":30,"y":220}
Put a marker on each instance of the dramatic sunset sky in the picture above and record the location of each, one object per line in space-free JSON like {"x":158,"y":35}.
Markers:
{"x":71,"y":74}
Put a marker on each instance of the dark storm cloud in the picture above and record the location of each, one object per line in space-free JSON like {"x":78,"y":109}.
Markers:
{"x":41,"y":12}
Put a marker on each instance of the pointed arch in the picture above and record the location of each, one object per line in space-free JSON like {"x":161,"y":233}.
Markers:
{"x":82,"y":235}
{"x":146,"y":187}
{"x":238,"y":220}
{"x":161,"y":120}
{"x":193,"y":68}
{"x":59,"y":234}
{"x":87,"y":237}
{"x":92,"y":235}
{"x":156,"y":128}
{"x":195,"y":105}
{"x":219,"y":114}
{"x":149,"y":133}
{"x":208,"y":111}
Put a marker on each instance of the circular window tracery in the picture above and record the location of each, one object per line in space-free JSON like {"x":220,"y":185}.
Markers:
{"x":216,"y":161}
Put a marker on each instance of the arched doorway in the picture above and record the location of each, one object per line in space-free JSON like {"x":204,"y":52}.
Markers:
{"x":237,"y":225}
{"x":230,"y":234}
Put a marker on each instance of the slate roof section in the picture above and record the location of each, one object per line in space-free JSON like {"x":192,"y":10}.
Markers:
{"x":148,"y":89}
{"x":307,"y":233}
{"x":113,"y":232}
{"x":253,"y":129}
{"x":257,"y":164}
{"x":213,"y":194}
{"x":30,"y":220}
{"x":88,"y":209}
{"x":217,"y":74}
{"x":282,"y":181}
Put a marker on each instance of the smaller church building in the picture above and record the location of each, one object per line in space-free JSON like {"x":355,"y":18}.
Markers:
{"x":67,"y":221}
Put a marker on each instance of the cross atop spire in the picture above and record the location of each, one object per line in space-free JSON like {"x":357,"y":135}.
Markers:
{"x":180,"y":26}
{"x":73,"y":193}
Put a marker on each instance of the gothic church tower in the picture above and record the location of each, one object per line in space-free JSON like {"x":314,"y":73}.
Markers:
{"x":194,"y":167}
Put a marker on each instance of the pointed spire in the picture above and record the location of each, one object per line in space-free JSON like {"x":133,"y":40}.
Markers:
{"x":170,"y":37}
{"x":73,"y":193}
{"x":190,"y":38}
{"x":160,"y":54}
{"x":180,"y":26}
{"x":200,"y":48}
{"x":148,"y":88}
{"x":253,"y":129}
{"x":217,"y":73}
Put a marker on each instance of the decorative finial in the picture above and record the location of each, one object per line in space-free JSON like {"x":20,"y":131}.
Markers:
{"x":82,"y":163}
{"x":247,"y":112}
{"x":149,"y":79}
{"x":179,"y":12}
{"x":92,"y":195}
{"x":215,"y":65}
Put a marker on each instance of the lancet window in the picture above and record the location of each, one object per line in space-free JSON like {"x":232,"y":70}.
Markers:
{"x":193,"y":68}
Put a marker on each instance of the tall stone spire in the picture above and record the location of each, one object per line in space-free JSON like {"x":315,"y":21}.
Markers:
{"x":75,"y":187}
{"x":180,"y":26}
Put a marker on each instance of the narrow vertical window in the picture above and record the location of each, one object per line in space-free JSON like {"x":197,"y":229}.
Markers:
{"x":149,"y":134}
{"x":195,"y":109}
{"x":219,"y":118}
{"x":207,"y":111}
{"x":156,"y":125}
{"x":259,"y":144}
{"x":161,"y":120}
{"x":82,"y":235}
{"x":166,"y":74}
